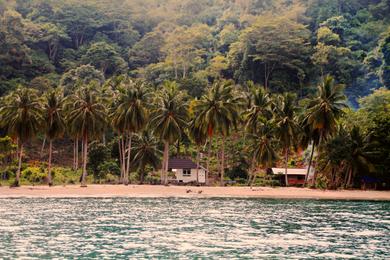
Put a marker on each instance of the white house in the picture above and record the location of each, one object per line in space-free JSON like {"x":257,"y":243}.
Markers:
{"x":184,"y":170}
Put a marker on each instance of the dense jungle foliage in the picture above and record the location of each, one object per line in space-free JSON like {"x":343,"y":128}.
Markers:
{"x":241,"y":85}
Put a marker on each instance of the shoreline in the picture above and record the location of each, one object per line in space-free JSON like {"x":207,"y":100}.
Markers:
{"x":159,"y":191}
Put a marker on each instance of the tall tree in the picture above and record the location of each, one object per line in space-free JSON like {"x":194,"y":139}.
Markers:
{"x":129,"y":116}
{"x":54,"y":123}
{"x":87,"y":117}
{"x":146,"y":153}
{"x":287,"y":126}
{"x":259,"y":107}
{"x":272,"y":45}
{"x":21,"y":116}
{"x":199,"y":137}
{"x":323,"y":111}
{"x":218,"y":112}
{"x":262,"y":147}
{"x":169,"y":120}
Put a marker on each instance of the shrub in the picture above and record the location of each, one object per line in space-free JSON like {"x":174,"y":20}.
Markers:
{"x":108,"y":167}
{"x":34,"y":175}
{"x":98,"y":154}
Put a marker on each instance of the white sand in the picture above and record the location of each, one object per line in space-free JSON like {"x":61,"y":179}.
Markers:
{"x":188,"y":191}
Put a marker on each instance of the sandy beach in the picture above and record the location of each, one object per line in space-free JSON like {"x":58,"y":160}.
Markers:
{"x":188,"y":191}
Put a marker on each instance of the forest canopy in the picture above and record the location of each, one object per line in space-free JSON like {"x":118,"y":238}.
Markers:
{"x":283,"y":45}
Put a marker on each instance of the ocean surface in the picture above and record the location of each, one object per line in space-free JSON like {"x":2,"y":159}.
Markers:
{"x":179,"y":228}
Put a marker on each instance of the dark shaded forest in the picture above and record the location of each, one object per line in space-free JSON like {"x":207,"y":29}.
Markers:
{"x":283,"y":45}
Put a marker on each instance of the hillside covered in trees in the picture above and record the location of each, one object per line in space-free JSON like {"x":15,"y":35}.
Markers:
{"x":283,"y":45}
{"x":119,"y":87}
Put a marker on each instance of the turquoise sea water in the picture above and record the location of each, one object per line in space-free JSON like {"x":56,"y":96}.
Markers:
{"x":181,"y":228}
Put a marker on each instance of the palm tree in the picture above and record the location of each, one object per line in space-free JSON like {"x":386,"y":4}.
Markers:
{"x":259,"y":106}
{"x":199,"y":137}
{"x":218,"y":111}
{"x":146,"y":152}
{"x":21,"y":116}
{"x":87,"y":118}
{"x":169,"y":120}
{"x":129,"y":116}
{"x":357,"y":161}
{"x":262,"y":147}
{"x":323,"y":112}
{"x":287,"y":126}
{"x":54,"y":123}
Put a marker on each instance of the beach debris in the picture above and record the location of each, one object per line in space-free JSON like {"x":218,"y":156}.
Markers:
{"x":200,"y":191}
{"x":188,"y":191}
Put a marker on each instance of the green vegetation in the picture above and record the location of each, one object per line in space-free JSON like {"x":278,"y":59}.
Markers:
{"x":239,"y":85}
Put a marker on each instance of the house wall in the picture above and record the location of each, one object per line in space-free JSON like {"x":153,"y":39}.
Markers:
{"x":192,"y":178}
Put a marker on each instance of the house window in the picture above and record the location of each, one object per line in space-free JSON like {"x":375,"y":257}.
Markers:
{"x":186,"y":172}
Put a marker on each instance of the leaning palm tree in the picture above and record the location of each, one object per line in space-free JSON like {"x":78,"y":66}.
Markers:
{"x":87,"y":118}
{"x":218,"y":112}
{"x":54,"y":123}
{"x":21,"y":116}
{"x":263,"y":151}
{"x":168,"y":120}
{"x":146,"y":153}
{"x":129,"y":116}
{"x":287,"y":126}
{"x":323,"y":112}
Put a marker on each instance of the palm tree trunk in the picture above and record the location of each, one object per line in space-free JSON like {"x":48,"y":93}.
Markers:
{"x":120,"y":157}
{"x":252,"y":171}
{"x":77,"y":153}
{"x":308,"y":167}
{"x":197,"y":163}
{"x":142,"y":174}
{"x":85,"y":154}
{"x":166,"y":159}
{"x":123,"y":141}
{"x":49,"y":181}
{"x":349,"y":177}
{"x":17,"y":177}
{"x":74,"y":155}
{"x":43,"y":147}
{"x":223,"y":161}
{"x":285,"y":166}
{"x":126,"y":179}
{"x":82,"y":150}
{"x":208,"y":161}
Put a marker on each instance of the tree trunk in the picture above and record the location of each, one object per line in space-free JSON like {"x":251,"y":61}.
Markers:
{"x":126,"y":179}
{"x":85,"y":154}
{"x":223,"y":161}
{"x":77,"y":153}
{"x":308,"y":167}
{"x":208,"y":161}
{"x":120,"y":157}
{"x":142,"y":174}
{"x":49,"y":180}
{"x":17,"y":177}
{"x":197,"y":163}
{"x":285,"y":165}
{"x":349,"y":177}
{"x":74,"y":155}
{"x":166,"y":159}
{"x":43,"y":147}
{"x":178,"y":147}
{"x":123,"y":141}
{"x":252,"y":171}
